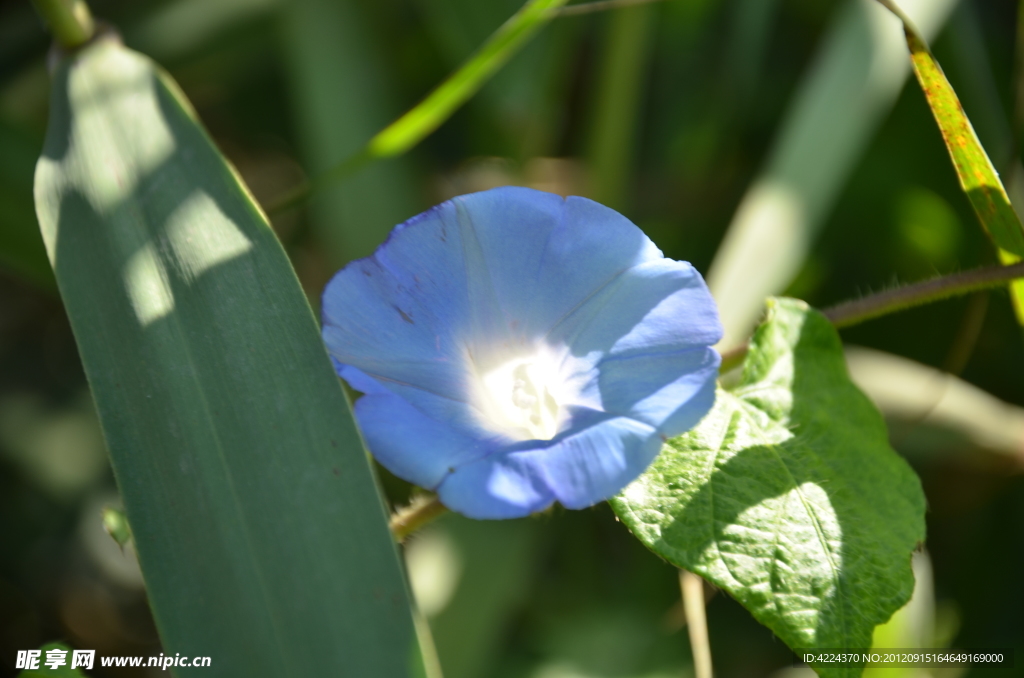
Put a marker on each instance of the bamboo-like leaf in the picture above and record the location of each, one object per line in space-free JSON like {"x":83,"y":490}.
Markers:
{"x":522,"y":101}
{"x":974,"y":169}
{"x":260,"y":532}
{"x":1018,"y":77}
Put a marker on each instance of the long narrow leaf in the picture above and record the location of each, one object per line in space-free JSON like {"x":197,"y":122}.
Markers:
{"x":259,"y":528}
{"x":977,"y":176}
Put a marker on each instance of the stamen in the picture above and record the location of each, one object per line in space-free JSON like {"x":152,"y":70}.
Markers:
{"x":520,"y":397}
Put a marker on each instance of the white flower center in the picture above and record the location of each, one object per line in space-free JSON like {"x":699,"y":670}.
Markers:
{"x":522,"y":396}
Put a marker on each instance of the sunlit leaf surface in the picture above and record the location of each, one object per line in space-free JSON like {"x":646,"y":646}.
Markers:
{"x":258,"y":525}
{"x":788,"y":495}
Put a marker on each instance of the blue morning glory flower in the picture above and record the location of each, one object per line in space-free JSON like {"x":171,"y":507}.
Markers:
{"x":516,"y":348}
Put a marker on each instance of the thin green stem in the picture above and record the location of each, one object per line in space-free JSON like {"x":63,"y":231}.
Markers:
{"x":901,"y":298}
{"x":70,"y":21}
{"x":407,"y":520}
{"x":421,"y":120}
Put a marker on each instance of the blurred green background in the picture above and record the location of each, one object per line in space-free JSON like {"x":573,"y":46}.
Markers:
{"x":667,"y":112}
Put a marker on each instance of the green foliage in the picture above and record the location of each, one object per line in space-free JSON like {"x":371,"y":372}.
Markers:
{"x":255,"y":514}
{"x":978,"y":177}
{"x":498,"y":562}
{"x":928,"y":226}
{"x":115,"y":523}
{"x":787,"y":495}
{"x":420,"y":121}
{"x":841,"y":99}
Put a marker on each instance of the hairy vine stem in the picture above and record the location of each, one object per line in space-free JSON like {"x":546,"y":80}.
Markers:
{"x":901,"y":298}
{"x":418,"y":513}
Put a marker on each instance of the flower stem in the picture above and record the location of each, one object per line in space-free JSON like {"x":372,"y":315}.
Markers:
{"x":901,"y":298}
{"x":418,"y":513}
{"x":696,"y":622}
{"x":70,"y":21}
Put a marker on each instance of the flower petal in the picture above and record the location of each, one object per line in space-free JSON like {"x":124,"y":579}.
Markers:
{"x":659,"y":306}
{"x":578,"y":470}
{"x":459,"y":415}
{"x":503,"y":485}
{"x":544,"y":256}
{"x":596,"y":463}
{"x":400,"y":314}
{"x":435,"y":327}
{"x":670,"y":391}
{"x":458,"y":279}
{"x":412,"y":445}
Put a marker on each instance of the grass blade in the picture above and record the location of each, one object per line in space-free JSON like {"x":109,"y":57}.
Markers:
{"x":411,"y":128}
{"x":974,"y":169}
{"x":260,"y":532}
{"x":438,"y":106}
